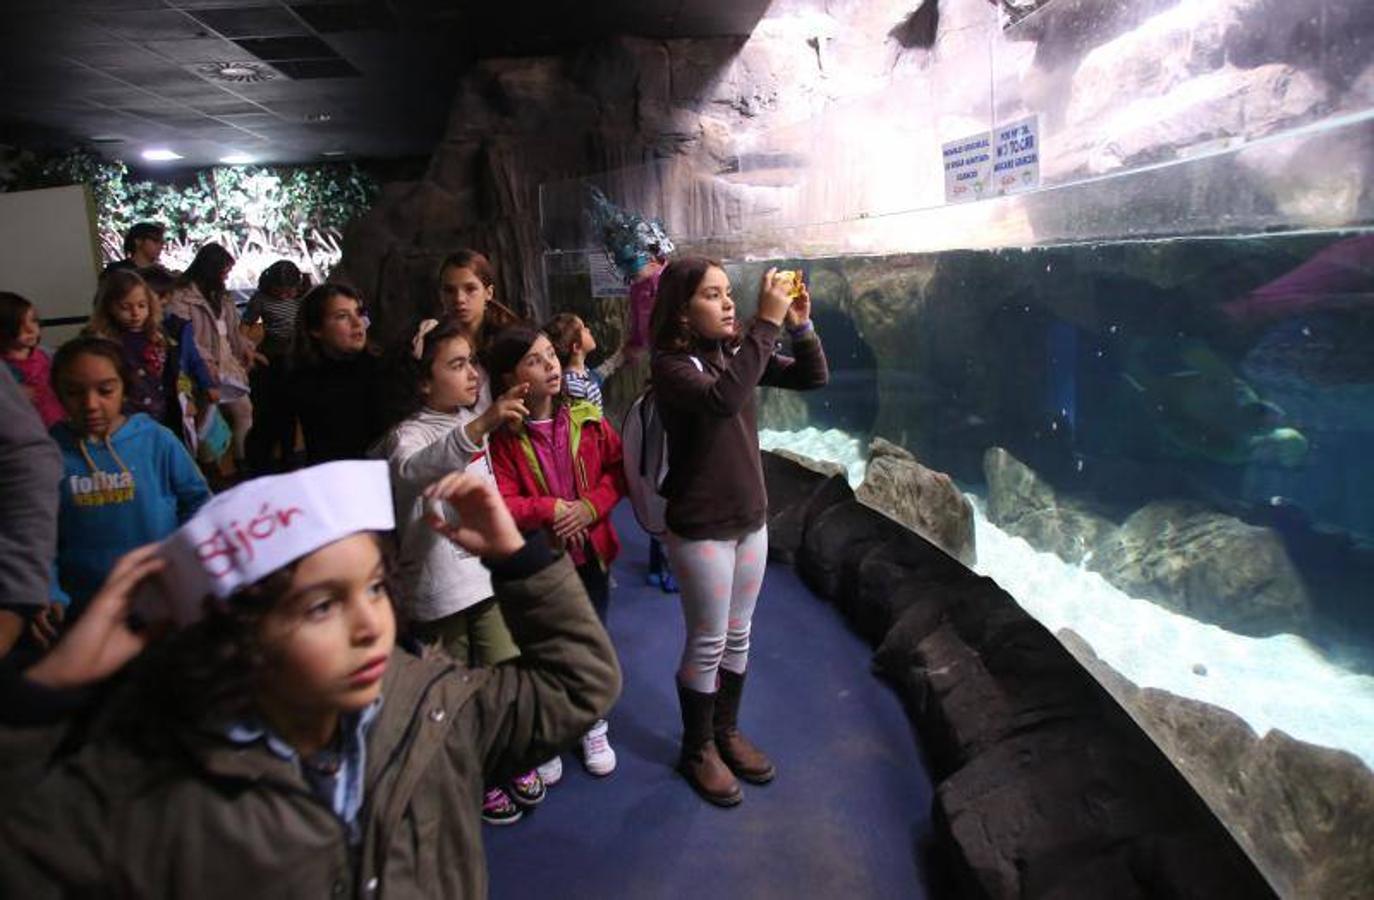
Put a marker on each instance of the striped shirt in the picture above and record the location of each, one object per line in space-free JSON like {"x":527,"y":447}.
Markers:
{"x":582,"y":386}
{"x":278,"y":316}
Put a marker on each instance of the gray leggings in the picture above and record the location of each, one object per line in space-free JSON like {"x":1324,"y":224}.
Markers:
{"x":240,"y":415}
{"x":720,"y":583}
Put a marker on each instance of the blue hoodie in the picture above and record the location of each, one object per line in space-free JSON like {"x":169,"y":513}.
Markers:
{"x":132,"y":488}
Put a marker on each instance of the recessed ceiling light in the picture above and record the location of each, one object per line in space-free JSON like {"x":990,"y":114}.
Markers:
{"x":106,"y":139}
{"x":237,"y":72}
{"x":236,"y":159}
{"x":160,"y":154}
{"x":334,"y":153}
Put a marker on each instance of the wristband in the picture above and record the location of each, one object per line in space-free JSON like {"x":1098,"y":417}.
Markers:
{"x":801,"y":330}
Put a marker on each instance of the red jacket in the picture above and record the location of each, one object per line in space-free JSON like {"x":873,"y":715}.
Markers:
{"x":598,"y":472}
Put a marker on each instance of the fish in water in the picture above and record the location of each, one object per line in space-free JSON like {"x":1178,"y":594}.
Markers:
{"x":1200,"y":407}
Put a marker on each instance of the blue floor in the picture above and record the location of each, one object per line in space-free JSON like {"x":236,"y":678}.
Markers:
{"x":844,"y":818}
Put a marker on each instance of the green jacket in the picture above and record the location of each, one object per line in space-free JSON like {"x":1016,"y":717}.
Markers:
{"x":206,"y":818}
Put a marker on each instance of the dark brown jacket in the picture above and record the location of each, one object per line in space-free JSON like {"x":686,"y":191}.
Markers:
{"x":205,"y":818}
{"x":715,"y":485}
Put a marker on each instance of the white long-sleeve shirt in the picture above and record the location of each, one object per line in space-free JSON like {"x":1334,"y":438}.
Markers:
{"x":440,"y":578}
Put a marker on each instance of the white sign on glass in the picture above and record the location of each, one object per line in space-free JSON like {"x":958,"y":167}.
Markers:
{"x":1016,"y":156}
{"x":968,"y":168}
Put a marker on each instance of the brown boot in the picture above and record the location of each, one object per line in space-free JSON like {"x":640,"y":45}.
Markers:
{"x":700,"y":763}
{"x":736,"y":750}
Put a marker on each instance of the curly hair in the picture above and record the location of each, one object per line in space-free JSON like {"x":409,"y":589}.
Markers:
{"x":114,"y":287}
{"x":209,"y":670}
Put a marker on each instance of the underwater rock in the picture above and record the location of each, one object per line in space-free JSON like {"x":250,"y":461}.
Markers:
{"x":1023,"y":504}
{"x":1209,"y":566}
{"x":823,"y":467}
{"x":926,"y":501}
{"x":781,"y":410}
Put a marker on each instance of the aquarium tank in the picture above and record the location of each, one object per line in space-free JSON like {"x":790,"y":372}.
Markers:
{"x":1110,"y":266}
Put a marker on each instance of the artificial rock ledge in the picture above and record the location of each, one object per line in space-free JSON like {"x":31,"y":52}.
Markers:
{"x":1046,"y":788}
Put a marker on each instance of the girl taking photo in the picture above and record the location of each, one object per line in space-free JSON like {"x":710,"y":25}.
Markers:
{"x":705,"y":368}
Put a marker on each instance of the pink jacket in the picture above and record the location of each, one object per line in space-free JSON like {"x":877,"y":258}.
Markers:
{"x":33,"y":376}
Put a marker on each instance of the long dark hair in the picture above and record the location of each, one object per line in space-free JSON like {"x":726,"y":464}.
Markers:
{"x":669,"y":325}
{"x":497,"y":315}
{"x":505,"y":351}
{"x":281,"y":275}
{"x":305,"y":347}
{"x":206,"y":272}
{"x":13,"y":309}
{"x":407,"y":375}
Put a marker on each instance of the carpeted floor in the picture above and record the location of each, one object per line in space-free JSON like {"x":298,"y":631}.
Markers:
{"x":846,"y":816}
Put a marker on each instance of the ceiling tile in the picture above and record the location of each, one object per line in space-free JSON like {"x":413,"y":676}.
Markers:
{"x":198,"y":50}
{"x":251,"y":120}
{"x":120,"y":53}
{"x":164,"y":25}
{"x":226,"y":105}
{"x":252,"y":22}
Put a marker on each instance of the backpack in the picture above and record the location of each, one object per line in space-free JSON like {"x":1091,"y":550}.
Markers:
{"x":646,"y":459}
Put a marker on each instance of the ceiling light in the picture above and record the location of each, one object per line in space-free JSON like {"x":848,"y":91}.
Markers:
{"x":236,"y":159}
{"x":334,"y":153}
{"x":236,"y":72}
{"x":106,"y":139}
{"x":160,"y":154}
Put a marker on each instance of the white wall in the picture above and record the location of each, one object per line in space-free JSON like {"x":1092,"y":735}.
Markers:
{"x":49,"y":254}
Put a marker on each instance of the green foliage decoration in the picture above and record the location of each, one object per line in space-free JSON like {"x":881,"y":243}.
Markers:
{"x":260,"y":213}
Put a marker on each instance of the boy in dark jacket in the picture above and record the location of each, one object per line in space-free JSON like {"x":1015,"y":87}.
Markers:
{"x":311,"y":756}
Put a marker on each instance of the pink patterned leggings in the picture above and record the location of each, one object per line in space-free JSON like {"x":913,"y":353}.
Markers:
{"x":720,"y":583}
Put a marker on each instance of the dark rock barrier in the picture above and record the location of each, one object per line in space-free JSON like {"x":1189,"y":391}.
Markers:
{"x":1046,"y":788}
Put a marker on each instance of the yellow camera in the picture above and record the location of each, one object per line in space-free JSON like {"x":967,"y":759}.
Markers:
{"x":791,"y":280}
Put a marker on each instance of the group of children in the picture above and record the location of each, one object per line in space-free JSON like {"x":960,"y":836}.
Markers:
{"x":498,"y":472}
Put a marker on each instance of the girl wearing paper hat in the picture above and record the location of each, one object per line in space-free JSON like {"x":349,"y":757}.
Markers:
{"x":283,"y":741}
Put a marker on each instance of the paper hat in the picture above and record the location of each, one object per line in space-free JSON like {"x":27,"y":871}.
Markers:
{"x":247,"y":533}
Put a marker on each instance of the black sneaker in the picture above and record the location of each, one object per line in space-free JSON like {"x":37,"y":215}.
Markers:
{"x":499,"y":809}
{"x":528,"y":789}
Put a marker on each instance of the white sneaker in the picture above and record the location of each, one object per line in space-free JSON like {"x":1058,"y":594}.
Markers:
{"x":551,"y":771}
{"x":597,"y":756}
